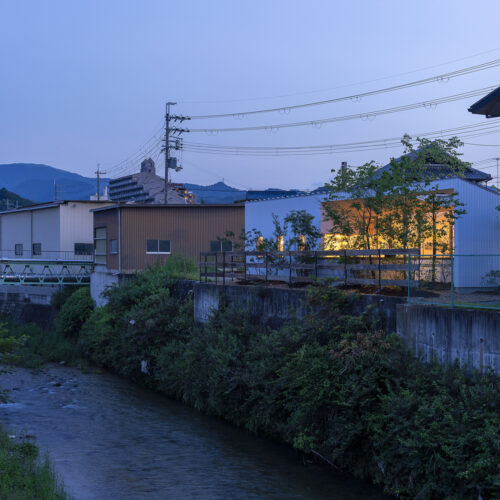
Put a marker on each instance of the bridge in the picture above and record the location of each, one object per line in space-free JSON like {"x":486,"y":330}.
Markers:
{"x":45,"y":271}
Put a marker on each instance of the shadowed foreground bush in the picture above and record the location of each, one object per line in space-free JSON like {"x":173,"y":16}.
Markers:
{"x":23,"y":475}
{"x":331,"y":385}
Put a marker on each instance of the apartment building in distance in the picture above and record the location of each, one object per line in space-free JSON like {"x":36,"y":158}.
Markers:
{"x":147,"y":187}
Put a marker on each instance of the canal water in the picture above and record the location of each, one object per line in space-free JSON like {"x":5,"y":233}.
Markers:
{"x":112,"y":440}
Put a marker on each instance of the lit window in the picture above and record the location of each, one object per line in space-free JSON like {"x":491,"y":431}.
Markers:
{"x":280,"y":243}
{"x":260,"y":243}
{"x":158,"y":246}
{"x":301,"y":243}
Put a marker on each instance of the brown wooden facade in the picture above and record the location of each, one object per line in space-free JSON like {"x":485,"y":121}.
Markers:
{"x":189,"y":228}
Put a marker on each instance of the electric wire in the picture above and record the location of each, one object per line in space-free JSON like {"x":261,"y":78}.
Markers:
{"x":356,"y":97}
{"x":368,"y":116}
{"x":374,"y":80}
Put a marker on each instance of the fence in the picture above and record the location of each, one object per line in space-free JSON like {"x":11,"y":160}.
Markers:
{"x":443,"y":279}
{"x":360,"y":267}
{"x":52,"y":255}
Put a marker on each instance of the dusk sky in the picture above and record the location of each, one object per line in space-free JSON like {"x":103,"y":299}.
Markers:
{"x":85,"y":82}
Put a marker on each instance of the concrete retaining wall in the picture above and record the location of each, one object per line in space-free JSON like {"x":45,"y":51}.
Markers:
{"x":273,"y":306}
{"x":471,"y":336}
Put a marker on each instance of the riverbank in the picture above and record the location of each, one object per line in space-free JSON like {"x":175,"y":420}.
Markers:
{"x":331,"y":385}
{"x":23,"y":473}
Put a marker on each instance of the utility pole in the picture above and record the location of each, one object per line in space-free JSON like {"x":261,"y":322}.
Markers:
{"x":167,"y":146}
{"x":98,"y":173}
{"x":177,"y":144}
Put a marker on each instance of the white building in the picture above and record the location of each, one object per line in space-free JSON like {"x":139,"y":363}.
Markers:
{"x":476,"y":234}
{"x":54,"y":230}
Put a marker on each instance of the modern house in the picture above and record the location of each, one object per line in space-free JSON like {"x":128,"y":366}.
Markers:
{"x":489,"y":105}
{"x":130,"y":237}
{"x":54,"y":230}
{"x":147,"y":187}
{"x":477,"y":232}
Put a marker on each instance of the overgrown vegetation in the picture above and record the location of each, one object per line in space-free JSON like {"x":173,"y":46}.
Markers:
{"x":331,"y":385}
{"x":24,"y":475}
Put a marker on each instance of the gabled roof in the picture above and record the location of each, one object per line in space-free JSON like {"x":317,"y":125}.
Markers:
{"x":441,"y":170}
{"x":489,"y":105}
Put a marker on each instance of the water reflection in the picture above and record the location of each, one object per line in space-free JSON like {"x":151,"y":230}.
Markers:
{"x":110,"y":439}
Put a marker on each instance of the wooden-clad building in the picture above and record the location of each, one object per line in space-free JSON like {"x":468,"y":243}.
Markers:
{"x":129,"y":237}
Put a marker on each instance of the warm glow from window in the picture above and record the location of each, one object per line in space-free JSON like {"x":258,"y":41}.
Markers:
{"x":260,"y":243}
{"x":335,"y":241}
{"x":302,"y":242}
{"x":280,"y":243}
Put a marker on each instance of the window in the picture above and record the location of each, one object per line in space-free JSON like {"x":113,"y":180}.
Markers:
{"x":100,"y":245}
{"x":113,"y":246}
{"x":84,"y":249}
{"x":18,"y":249}
{"x":158,"y":246}
{"x":221,"y":246}
{"x":301,"y":243}
{"x":260,"y":243}
{"x":280,"y":243}
{"x":36,"y":249}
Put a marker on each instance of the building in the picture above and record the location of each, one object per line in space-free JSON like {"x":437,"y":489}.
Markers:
{"x":475,"y":237}
{"x":489,"y":105}
{"x":147,"y":187}
{"x":130,"y":237}
{"x":53,"y":230}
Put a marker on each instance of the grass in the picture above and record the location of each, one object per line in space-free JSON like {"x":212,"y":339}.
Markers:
{"x":24,"y":475}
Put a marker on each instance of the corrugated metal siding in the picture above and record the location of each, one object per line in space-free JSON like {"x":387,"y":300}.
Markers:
{"x":108,"y":219}
{"x":190,"y":230}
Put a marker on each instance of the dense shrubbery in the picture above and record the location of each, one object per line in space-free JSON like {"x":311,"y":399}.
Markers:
{"x":332,"y":385}
{"x":74,"y":312}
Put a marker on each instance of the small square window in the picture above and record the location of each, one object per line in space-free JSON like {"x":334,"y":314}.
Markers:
{"x":36,"y":249}
{"x":164,"y":246}
{"x":113,"y":246}
{"x":18,"y":249}
{"x":152,"y":246}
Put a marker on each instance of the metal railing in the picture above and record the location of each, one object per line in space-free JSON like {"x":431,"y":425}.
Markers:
{"x":53,"y":255}
{"x":456,"y":280}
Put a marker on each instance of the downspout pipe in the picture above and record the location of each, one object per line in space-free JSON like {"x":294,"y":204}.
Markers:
{"x":119,"y":241}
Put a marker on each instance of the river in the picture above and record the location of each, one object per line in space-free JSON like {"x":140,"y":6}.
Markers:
{"x":111,"y":440}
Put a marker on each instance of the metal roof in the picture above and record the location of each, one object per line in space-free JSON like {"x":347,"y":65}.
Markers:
{"x":170,"y":205}
{"x":489,"y":105}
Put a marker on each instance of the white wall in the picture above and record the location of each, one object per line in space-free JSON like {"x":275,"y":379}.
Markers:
{"x":27,"y":227}
{"x":476,"y":232}
{"x":77,"y":224}
{"x":258,"y":214}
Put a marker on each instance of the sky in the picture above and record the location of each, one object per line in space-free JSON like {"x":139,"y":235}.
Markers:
{"x":85,"y":82}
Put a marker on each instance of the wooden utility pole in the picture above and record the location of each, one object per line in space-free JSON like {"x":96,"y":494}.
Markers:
{"x":98,"y":173}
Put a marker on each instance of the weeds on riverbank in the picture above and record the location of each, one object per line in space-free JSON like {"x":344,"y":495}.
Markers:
{"x":331,"y":385}
{"x":24,"y":475}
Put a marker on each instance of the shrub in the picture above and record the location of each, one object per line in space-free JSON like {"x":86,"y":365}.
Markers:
{"x":74,"y":312}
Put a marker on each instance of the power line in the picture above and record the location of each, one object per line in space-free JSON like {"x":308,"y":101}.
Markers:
{"x":374,"y":80}
{"x":357,"y":97}
{"x":367,"y":116}
{"x":474,"y":130}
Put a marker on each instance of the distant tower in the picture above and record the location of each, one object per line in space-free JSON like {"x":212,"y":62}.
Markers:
{"x":148,"y":165}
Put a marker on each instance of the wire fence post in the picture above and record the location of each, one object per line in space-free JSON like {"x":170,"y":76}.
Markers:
{"x":224,"y":268}
{"x":266,"y":261}
{"x":409,"y":267}
{"x":345,"y":267}
{"x":452,"y":262}
{"x":216,"y":269}
{"x":379,"y":272}
{"x":245,"y":264}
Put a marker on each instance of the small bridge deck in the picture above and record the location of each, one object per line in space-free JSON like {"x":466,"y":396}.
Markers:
{"x":45,"y":272}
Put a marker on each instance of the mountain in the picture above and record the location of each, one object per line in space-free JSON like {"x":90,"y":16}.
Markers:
{"x":36,"y":182}
{"x":10,"y":200}
{"x":216,"y":193}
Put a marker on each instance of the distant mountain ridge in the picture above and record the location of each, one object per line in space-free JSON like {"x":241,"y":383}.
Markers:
{"x":36,"y":182}
{"x":216,"y":193}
